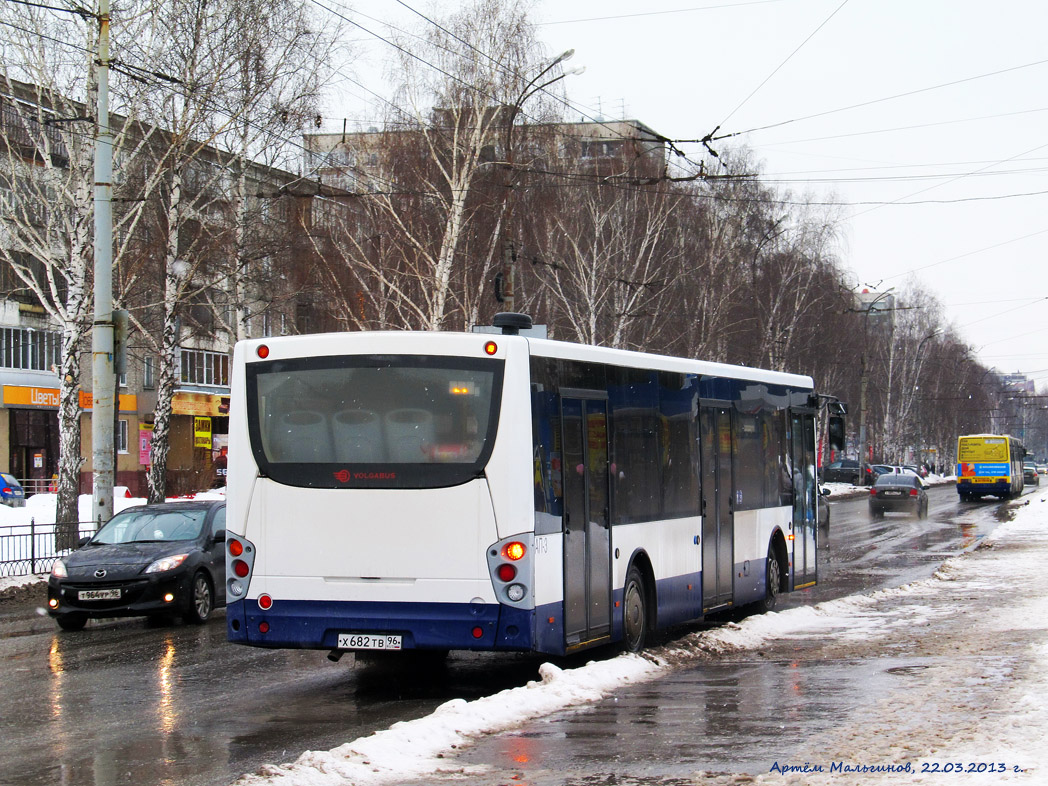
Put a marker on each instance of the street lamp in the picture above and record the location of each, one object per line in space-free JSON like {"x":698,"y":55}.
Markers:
{"x":916,"y":388}
{"x":863,"y":379}
{"x":514,"y":109}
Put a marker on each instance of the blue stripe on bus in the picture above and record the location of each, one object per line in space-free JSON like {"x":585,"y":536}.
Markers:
{"x":967,"y":487}
{"x":305,"y":624}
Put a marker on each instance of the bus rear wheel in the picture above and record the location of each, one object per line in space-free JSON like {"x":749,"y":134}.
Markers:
{"x":772,"y":582}
{"x":634,"y":612}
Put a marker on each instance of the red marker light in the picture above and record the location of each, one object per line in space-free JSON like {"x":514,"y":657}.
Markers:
{"x":478,"y":632}
{"x":263,"y":627}
{"x":240,"y":568}
{"x":506,"y":572}
{"x":491,"y":348}
{"x":265,"y":602}
{"x":262,"y":351}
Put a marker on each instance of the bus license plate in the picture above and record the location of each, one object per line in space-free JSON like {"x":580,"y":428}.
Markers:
{"x":368,"y":641}
{"x":102,"y":594}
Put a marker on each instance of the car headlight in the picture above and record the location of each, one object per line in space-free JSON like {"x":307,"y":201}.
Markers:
{"x":167,"y":563}
{"x":58,"y":570}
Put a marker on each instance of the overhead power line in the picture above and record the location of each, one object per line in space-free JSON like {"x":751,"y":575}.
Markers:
{"x":712,"y":137}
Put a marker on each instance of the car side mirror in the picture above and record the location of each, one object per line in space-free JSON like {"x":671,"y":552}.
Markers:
{"x":824,"y":492}
{"x":220,"y":536}
{"x":82,"y":542}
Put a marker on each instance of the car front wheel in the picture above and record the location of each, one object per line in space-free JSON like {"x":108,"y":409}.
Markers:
{"x":71,"y":621}
{"x":201,"y":600}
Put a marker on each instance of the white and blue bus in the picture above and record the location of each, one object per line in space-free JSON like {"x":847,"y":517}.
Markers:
{"x":438,"y":491}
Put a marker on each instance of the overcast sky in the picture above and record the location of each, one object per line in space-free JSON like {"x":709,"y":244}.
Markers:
{"x":925,"y":122}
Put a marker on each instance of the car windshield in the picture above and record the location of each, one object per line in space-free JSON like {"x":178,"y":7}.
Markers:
{"x":141,"y":526}
{"x":9,"y":479}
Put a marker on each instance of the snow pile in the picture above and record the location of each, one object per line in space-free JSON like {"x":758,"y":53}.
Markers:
{"x":417,"y":747}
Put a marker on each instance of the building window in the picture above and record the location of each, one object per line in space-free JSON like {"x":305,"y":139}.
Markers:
{"x":32,"y":350}
{"x":148,"y":378}
{"x":121,"y":436}
{"x":200,"y":367}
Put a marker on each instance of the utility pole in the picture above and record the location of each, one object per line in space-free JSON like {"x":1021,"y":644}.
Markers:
{"x":103,"y":381}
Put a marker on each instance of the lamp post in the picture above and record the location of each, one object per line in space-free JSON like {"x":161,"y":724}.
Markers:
{"x":864,"y":375}
{"x":917,"y":403}
{"x":509,"y":255}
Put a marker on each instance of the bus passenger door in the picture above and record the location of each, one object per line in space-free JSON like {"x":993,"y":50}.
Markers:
{"x":805,"y":489}
{"x":718,"y":528}
{"x":587,"y":526}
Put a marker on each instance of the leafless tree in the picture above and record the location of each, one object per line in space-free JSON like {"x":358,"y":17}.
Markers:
{"x":432,"y":185}
{"x":48,"y":91}
{"x":240,"y":75}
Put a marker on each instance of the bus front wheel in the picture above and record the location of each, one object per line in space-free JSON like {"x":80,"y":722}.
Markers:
{"x":634,"y":612}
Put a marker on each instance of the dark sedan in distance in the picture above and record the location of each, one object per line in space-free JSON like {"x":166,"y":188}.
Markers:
{"x":149,"y":560}
{"x":898,"y":492}
{"x":845,"y":471}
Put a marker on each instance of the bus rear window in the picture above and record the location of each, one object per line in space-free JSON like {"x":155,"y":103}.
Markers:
{"x":404,"y":421}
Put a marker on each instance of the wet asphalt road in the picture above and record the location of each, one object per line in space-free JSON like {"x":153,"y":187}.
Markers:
{"x":123,"y":702}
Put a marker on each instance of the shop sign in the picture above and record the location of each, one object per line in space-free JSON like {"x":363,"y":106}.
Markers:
{"x":128,"y":401}
{"x":21,"y":395}
{"x":200,"y":404}
{"x":202,"y":433}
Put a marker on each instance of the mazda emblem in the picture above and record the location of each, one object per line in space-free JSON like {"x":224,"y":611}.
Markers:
{"x":100,"y":573}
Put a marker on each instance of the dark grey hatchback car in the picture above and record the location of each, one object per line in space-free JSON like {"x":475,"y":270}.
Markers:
{"x":149,"y":560}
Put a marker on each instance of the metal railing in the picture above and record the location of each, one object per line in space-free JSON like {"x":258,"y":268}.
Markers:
{"x":36,"y":485}
{"x":27,"y":549}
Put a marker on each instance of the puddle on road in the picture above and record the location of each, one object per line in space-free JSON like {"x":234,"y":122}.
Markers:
{"x":750,"y":714}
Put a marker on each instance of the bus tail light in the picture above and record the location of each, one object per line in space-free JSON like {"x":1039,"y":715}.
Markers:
{"x":506,"y":572}
{"x":240,"y":562}
{"x":514,"y":550}
{"x":509,"y":562}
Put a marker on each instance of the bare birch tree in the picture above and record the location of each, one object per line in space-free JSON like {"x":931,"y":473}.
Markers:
{"x":46,"y":176}
{"x":432,"y":186}
{"x":229,"y":98}
{"x":605,"y":260}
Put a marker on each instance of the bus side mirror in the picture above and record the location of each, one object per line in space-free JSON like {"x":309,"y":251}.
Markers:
{"x":835,"y":432}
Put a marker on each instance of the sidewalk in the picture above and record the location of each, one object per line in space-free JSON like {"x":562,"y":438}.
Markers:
{"x":963,"y":701}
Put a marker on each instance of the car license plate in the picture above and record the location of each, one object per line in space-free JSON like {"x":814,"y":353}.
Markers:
{"x":368,"y":641}
{"x":893,"y":493}
{"x":102,"y":594}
